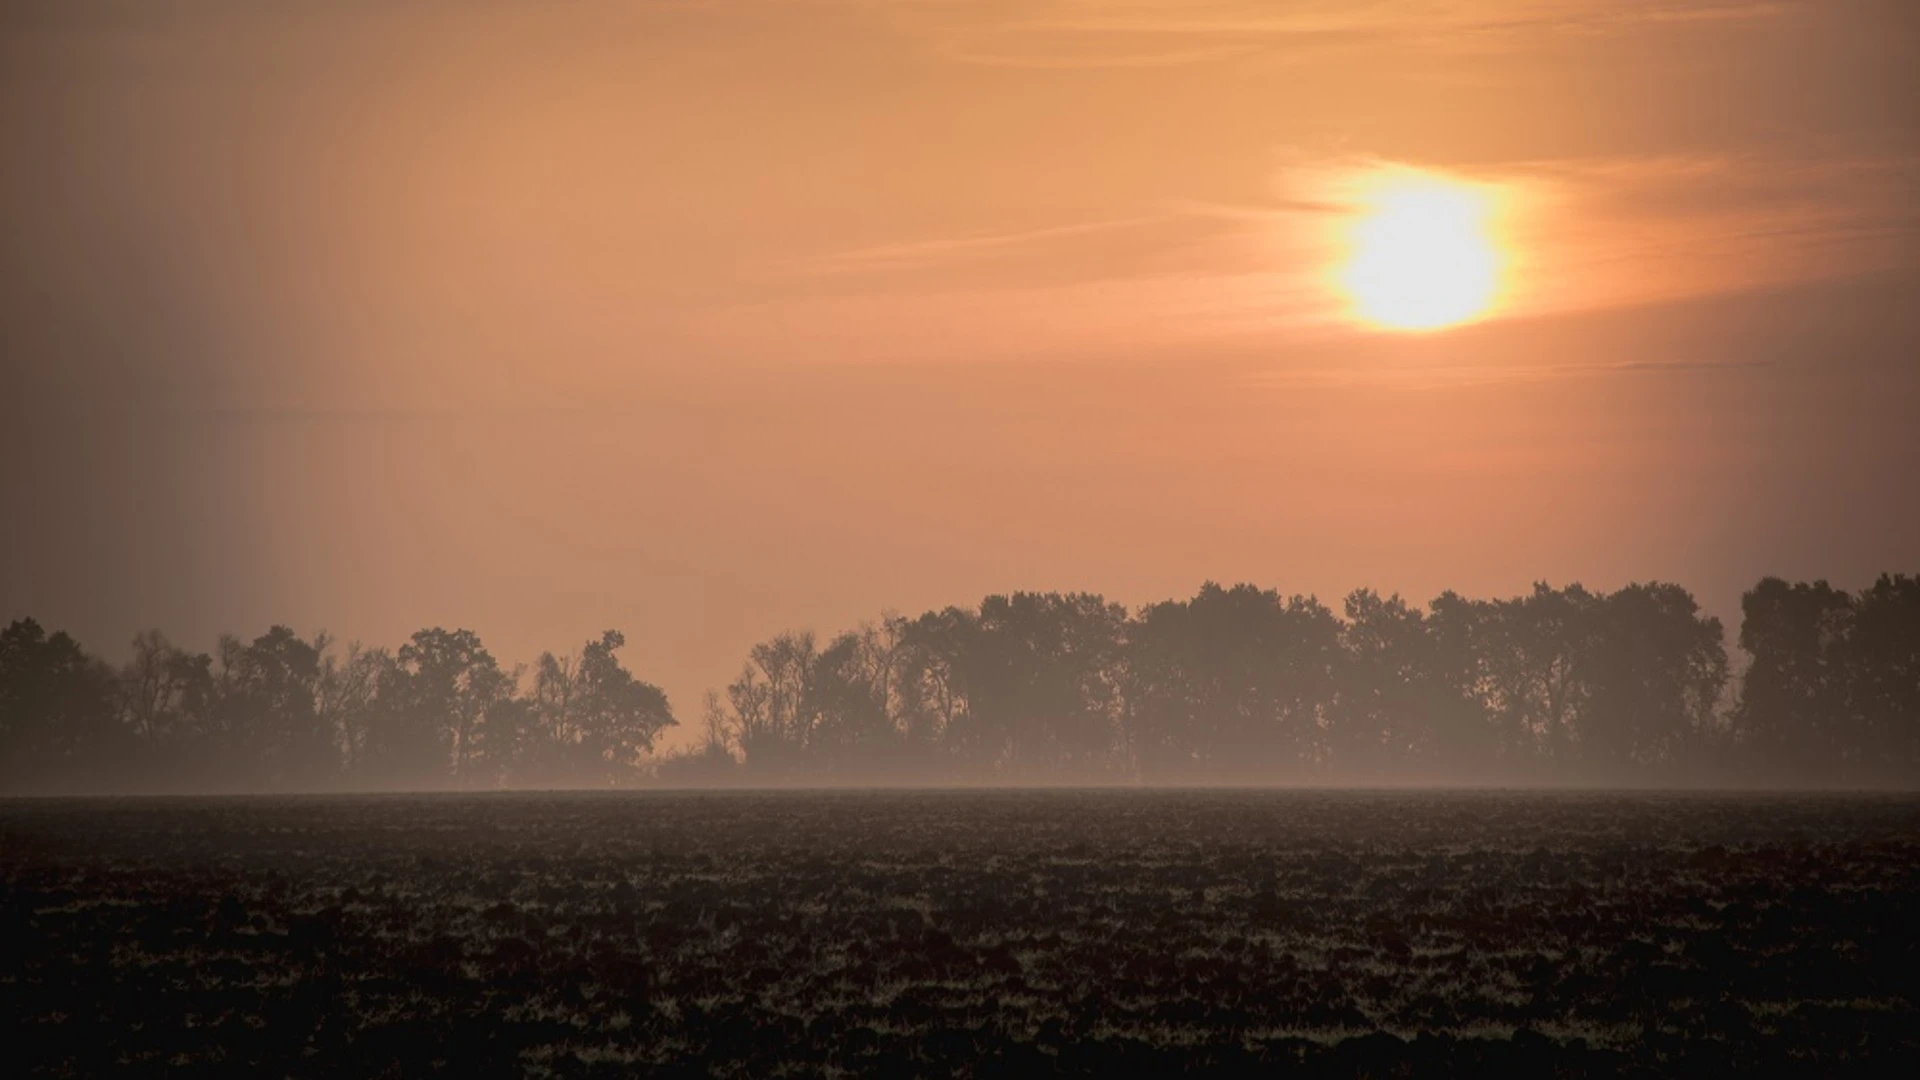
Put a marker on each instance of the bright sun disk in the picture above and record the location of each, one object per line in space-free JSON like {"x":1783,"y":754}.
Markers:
{"x":1421,"y":253}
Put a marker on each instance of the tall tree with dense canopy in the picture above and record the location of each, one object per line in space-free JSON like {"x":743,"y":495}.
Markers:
{"x":268,"y":710}
{"x":1655,"y":676}
{"x":594,"y":722}
{"x":1883,"y":660}
{"x":447,"y":685}
{"x":1234,"y":684}
{"x":1793,"y":712}
{"x":1390,"y":691}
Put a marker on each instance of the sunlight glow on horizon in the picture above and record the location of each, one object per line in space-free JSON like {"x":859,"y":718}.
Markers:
{"x":1421,"y":252}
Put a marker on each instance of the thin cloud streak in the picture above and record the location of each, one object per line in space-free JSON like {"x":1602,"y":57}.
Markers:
{"x":889,"y":257}
{"x":1432,"y":377}
{"x":1587,"y":235}
{"x":1152,"y":33}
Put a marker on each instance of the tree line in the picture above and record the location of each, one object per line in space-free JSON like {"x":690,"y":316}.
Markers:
{"x":285,"y":713}
{"x":1232,"y":685}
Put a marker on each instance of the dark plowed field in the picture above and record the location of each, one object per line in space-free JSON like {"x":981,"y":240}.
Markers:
{"x":949,"y":933}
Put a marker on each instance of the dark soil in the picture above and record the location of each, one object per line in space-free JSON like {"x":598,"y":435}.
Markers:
{"x":957,"y":933}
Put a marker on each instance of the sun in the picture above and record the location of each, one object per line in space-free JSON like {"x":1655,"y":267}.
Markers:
{"x":1421,"y":252}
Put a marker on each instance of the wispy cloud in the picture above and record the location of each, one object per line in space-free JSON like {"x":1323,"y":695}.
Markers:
{"x":1648,"y":229}
{"x":1138,"y":33}
{"x":1585,"y":234}
{"x":1440,"y":376}
{"x":939,"y":251}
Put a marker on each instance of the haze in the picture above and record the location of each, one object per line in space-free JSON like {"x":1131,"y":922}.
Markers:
{"x":707,"y":321}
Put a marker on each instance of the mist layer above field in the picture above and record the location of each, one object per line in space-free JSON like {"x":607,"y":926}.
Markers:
{"x":1236,"y":686}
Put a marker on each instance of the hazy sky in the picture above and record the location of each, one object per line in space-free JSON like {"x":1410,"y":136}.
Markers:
{"x":705,"y":320}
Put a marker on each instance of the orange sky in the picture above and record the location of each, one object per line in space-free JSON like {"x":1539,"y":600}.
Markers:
{"x":705,"y":320}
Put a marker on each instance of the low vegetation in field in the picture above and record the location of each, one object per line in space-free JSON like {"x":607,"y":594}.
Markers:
{"x":943,"y":933}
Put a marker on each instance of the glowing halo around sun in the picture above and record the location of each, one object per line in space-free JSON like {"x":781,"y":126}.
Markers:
{"x":1422,"y":251}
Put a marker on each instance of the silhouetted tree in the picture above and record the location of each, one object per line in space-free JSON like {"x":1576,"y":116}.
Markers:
{"x":1654,"y":676}
{"x":445,"y":687}
{"x":57,"y":722}
{"x":1468,"y":739}
{"x":1042,"y":679}
{"x":166,"y":694}
{"x":935,"y":711}
{"x":773,"y":705}
{"x":592,"y":720}
{"x":1392,"y":696}
{"x":1793,"y":711}
{"x":858,"y":704}
{"x":1883,"y":661}
{"x":1537,"y":650}
{"x":354,"y":696}
{"x":555,"y":716}
{"x":266,"y":712}
{"x":1233,"y":684}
